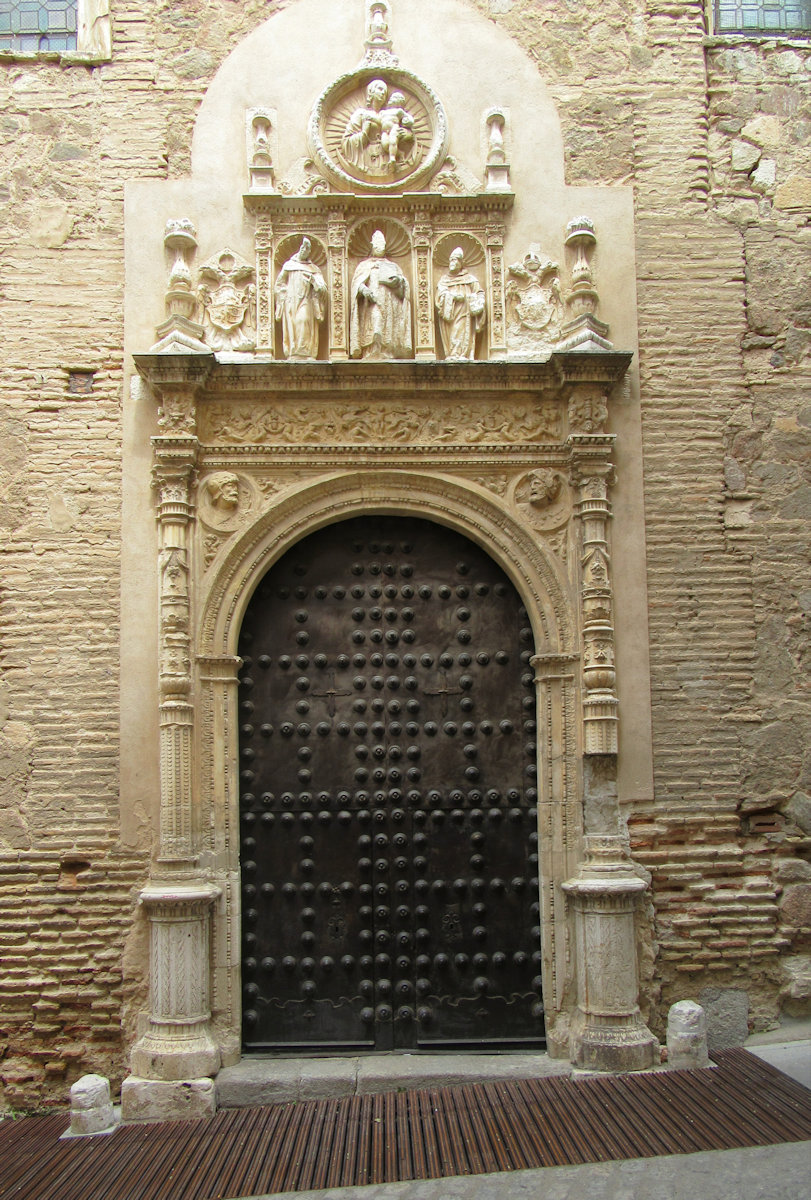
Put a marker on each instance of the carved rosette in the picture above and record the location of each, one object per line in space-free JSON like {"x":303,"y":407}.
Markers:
{"x":178,"y":1044}
{"x":593,"y":473}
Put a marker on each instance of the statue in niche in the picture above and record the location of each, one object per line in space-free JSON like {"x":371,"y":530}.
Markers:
{"x":380,"y":298}
{"x":535,"y":306}
{"x":379,"y":138}
{"x":227,"y":298}
{"x":301,"y":303}
{"x":460,"y":304}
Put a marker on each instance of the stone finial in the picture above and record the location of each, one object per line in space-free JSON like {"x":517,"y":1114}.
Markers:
{"x":180,"y":333}
{"x":91,"y":1109}
{"x":260,"y":136}
{"x":584,"y":331}
{"x":379,"y":51}
{"x":687,"y":1036}
{"x":497,"y":168}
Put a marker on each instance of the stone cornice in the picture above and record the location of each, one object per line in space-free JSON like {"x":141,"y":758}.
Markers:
{"x":212,"y":377}
{"x":277,"y":205}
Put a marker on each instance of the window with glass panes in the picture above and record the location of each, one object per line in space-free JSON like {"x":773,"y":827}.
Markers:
{"x":777,"y":17}
{"x":37,"y":26}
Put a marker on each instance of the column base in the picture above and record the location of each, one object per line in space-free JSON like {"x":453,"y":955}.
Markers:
{"x":168,"y":1059}
{"x":615,"y":1048}
{"x":162,"y":1100}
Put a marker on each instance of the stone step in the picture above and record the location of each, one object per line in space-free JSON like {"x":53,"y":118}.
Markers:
{"x":266,"y":1080}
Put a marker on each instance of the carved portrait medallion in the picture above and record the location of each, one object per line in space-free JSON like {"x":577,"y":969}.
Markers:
{"x":225,"y":500}
{"x":378,"y":129}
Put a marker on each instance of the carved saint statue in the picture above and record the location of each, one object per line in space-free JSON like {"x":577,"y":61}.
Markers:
{"x":379,"y":137}
{"x":380,"y":322}
{"x":460,"y":304}
{"x":301,"y":303}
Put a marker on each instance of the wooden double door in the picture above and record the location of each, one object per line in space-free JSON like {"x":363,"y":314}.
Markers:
{"x":388,"y":800}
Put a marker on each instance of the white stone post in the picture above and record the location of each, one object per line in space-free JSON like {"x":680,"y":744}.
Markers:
{"x":608,"y":1031}
{"x":687,"y":1036}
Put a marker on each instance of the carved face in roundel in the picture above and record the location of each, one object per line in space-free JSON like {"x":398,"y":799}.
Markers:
{"x":223,"y":489}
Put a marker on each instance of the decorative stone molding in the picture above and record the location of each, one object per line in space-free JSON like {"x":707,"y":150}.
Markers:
{"x":608,"y":1033}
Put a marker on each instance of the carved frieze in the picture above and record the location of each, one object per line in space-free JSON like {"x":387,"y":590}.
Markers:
{"x":323,"y":424}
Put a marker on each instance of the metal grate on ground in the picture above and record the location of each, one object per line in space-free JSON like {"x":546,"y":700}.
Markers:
{"x":429,"y":1133}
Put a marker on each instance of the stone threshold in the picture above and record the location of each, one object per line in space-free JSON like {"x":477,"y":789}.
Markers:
{"x":264,"y":1080}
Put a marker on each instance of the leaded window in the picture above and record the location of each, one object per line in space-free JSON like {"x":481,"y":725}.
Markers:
{"x":38,"y":26}
{"x":775,"y":17}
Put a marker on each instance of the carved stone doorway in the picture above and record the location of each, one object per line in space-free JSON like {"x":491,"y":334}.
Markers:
{"x":388,"y":796}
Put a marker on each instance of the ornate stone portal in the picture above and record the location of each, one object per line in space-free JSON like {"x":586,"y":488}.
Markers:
{"x":378,"y":355}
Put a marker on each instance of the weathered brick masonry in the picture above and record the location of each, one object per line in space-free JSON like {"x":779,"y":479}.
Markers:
{"x":714,"y":136}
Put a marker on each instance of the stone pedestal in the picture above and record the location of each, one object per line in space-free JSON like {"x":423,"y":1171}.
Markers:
{"x":178,"y":1046}
{"x":608,"y":1031}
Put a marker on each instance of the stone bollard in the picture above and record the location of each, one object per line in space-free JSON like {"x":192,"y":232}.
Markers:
{"x":687,"y":1036}
{"x":91,"y":1109}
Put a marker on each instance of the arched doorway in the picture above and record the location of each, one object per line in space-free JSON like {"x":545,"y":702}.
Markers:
{"x":388,"y":799}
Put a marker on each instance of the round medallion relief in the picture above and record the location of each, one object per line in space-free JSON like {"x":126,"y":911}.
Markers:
{"x":378,"y":130}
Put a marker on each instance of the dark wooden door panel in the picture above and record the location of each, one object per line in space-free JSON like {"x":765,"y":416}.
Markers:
{"x":388,"y":796}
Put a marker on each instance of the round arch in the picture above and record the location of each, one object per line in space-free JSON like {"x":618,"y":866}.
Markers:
{"x":466,"y":508}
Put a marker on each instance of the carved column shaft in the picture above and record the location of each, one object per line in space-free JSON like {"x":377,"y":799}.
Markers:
{"x":495,"y":274}
{"x":173,"y":474}
{"x":593,"y":472}
{"x":338,"y":284}
{"x":263,"y":244}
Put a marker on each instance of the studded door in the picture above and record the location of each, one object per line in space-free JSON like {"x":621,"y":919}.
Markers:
{"x":388,"y":796}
